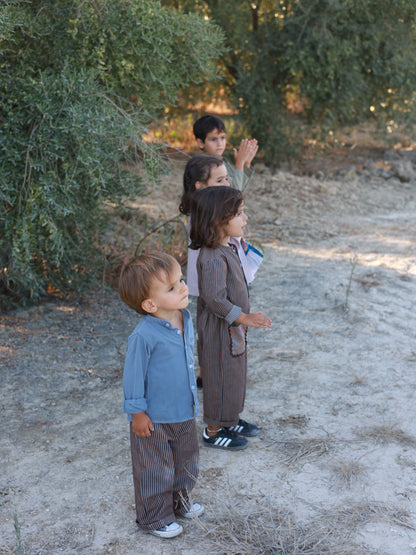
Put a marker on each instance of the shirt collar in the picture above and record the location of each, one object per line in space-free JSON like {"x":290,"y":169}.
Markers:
{"x":160,"y":322}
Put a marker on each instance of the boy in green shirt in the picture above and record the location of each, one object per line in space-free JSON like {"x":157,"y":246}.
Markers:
{"x":209,"y":133}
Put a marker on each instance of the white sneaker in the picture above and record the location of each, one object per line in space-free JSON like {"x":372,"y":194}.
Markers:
{"x":195,"y":510}
{"x":169,"y":531}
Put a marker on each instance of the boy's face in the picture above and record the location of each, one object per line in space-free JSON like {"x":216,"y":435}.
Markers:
{"x":217,"y":176}
{"x":214,"y":143}
{"x":167,"y":294}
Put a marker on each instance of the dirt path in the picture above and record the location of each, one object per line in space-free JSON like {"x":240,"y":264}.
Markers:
{"x":332,"y":386}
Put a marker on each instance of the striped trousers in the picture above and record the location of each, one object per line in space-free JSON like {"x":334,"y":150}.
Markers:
{"x":165,"y":469}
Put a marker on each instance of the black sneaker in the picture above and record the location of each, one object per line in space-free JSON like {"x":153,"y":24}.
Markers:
{"x":199,"y":382}
{"x":243,"y":428}
{"x":224,"y":439}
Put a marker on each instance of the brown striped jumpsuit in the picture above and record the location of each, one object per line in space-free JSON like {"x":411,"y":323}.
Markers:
{"x":222,"y":348}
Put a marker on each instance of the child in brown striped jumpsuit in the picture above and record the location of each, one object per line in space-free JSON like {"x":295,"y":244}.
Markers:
{"x":223,"y":315}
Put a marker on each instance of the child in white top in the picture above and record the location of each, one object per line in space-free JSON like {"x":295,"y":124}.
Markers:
{"x":207,"y":171}
{"x":204,"y":171}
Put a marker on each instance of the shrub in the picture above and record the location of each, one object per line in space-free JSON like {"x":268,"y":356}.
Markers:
{"x":79,"y":82}
{"x":61,"y":143}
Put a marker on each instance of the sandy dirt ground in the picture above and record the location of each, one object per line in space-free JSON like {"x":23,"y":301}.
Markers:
{"x":332,"y":386}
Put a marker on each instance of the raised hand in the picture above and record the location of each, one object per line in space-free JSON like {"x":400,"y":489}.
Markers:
{"x":253,"y":151}
{"x":242,"y":154}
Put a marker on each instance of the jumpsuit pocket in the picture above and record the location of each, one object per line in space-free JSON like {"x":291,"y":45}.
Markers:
{"x":238,"y":339}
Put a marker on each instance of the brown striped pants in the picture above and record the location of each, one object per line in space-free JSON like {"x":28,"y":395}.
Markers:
{"x":165,"y":469}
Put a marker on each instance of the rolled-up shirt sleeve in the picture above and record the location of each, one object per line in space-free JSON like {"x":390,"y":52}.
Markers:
{"x":135,"y":375}
{"x":239,"y":178}
{"x":213,"y":289}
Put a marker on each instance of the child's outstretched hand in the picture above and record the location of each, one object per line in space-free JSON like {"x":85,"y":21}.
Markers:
{"x":245,"y":154}
{"x":142,"y":425}
{"x":254,"y":320}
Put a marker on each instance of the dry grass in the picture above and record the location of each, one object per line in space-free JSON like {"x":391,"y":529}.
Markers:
{"x":348,"y":472}
{"x":298,"y":421}
{"x":358,"y":514}
{"x":298,"y":450}
{"x":270,"y":531}
{"x":385,"y":434}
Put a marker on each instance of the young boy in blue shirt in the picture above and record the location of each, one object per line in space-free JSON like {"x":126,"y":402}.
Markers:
{"x":209,"y":131}
{"x":160,"y":395}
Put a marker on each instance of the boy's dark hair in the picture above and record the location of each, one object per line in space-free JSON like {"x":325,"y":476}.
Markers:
{"x":212,"y":209}
{"x":137,"y":275}
{"x":198,"y":168}
{"x":206,"y":124}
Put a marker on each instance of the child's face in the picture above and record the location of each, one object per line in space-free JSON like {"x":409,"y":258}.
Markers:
{"x":237,"y":224}
{"x":217,"y":176}
{"x":167,"y":294}
{"x":214,"y":143}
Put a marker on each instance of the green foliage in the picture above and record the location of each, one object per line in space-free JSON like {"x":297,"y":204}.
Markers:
{"x":331,"y":62}
{"x":353,"y":59}
{"x":158,"y":55}
{"x":137,"y":49}
{"x":61,"y":142}
{"x":8,"y":19}
{"x":78,"y":82}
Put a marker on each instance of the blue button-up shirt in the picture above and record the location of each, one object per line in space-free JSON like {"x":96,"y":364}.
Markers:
{"x":159,"y":371}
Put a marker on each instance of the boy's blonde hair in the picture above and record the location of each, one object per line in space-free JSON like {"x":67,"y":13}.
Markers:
{"x":137,"y":275}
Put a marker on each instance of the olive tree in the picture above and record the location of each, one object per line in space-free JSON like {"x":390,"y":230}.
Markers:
{"x":337,"y":61}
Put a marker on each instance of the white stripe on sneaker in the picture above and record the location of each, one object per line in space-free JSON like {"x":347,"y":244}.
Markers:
{"x":223,"y":441}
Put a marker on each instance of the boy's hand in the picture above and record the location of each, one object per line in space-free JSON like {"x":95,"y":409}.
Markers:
{"x":253,"y":151}
{"x":245,"y":154}
{"x":142,"y":425}
{"x":254,"y":320}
